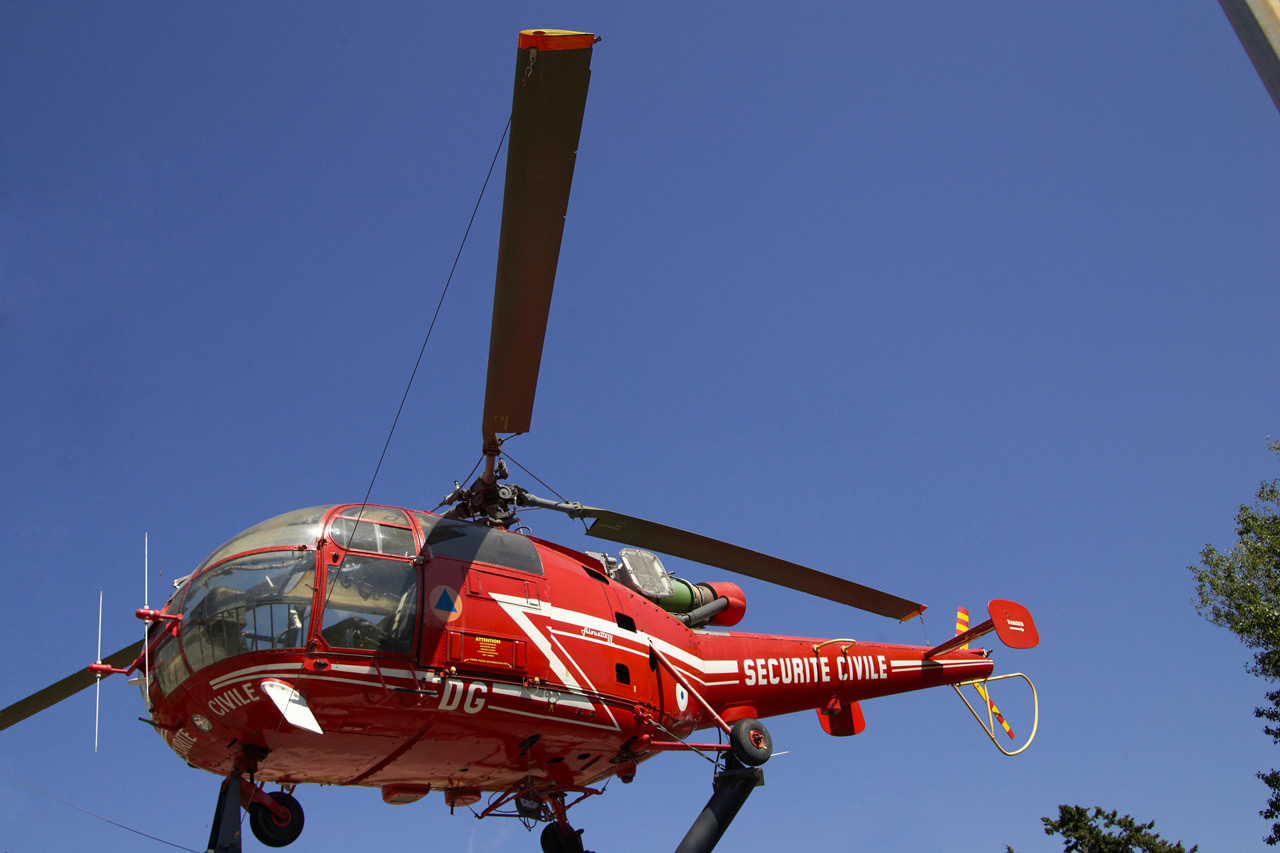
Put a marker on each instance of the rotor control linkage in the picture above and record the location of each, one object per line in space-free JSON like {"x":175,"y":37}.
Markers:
{"x":486,"y":498}
{"x":496,"y":502}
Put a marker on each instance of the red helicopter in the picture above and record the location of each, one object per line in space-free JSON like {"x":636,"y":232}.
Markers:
{"x":418,"y":652}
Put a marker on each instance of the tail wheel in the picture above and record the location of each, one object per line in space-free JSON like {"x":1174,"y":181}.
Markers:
{"x":750,"y":742}
{"x":267,"y":829}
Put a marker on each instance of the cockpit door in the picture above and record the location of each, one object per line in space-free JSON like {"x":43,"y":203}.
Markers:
{"x":369,"y":599}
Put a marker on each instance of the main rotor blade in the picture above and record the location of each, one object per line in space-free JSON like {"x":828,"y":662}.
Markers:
{"x":552,"y":73}
{"x":629,"y":530}
{"x":64,"y":689}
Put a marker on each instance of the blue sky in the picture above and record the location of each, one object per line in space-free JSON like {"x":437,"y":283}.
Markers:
{"x":962,"y":301}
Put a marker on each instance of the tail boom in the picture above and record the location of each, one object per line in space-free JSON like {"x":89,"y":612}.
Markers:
{"x":765,"y":676}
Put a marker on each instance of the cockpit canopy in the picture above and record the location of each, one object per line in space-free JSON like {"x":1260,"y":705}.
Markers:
{"x":345,"y":575}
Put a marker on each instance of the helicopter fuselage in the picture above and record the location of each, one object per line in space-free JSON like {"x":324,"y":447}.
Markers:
{"x":382,"y":647}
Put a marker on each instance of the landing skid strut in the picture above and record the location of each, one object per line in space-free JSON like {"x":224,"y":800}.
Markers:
{"x":225,"y":835}
{"x":732,"y":787}
{"x":276,"y":818}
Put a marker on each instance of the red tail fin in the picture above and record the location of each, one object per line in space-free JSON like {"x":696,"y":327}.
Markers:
{"x":1011,"y":622}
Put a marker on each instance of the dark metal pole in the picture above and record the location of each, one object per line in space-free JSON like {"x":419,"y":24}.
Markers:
{"x":1257,"y":24}
{"x":224,"y":837}
{"x":732,"y":787}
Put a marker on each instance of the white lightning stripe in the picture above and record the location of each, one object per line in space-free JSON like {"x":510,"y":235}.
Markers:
{"x":591,"y":638}
{"x":720,"y":667}
{"x":642,"y":653}
{"x":556,"y":719}
{"x":515,"y":691}
{"x":367,"y":684}
{"x":583,"y":620}
{"x":294,"y":671}
{"x":249,"y":672}
{"x":512,"y":691}
{"x":373,"y":670}
{"x":598,"y":627}
{"x":577,"y":666}
{"x":509,"y":690}
{"x":693,"y":667}
{"x":557,"y":666}
{"x":535,"y":636}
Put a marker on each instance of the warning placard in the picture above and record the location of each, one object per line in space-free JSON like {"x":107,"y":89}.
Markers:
{"x":486,"y":650}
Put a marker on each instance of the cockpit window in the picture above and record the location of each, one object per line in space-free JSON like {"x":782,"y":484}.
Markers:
{"x":371,"y":604}
{"x":256,"y":602}
{"x":300,"y":527}
{"x":378,"y":529}
{"x":167,"y":664}
{"x":464,"y":540}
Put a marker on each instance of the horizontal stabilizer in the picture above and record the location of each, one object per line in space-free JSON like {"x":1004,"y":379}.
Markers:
{"x":1011,"y":622}
{"x":841,"y":718}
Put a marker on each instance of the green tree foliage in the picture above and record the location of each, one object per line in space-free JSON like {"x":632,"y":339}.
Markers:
{"x":1240,"y":591}
{"x":1105,"y":832}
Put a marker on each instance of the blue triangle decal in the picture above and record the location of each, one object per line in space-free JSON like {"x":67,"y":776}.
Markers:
{"x":445,"y":603}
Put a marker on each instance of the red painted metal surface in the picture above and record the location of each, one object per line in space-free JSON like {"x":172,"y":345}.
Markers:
{"x":509,"y":679}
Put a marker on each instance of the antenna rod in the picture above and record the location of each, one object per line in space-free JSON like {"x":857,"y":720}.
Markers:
{"x":97,"y":697}
{"x":146,"y":623}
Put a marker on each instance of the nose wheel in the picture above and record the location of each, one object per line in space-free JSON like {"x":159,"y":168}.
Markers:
{"x":555,"y":839}
{"x":558,"y":836}
{"x":270,"y":827}
{"x":276,"y":818}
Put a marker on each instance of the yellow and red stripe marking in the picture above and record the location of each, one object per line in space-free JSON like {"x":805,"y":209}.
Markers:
{"x":995,"y":711}
{"x":962,"y":625}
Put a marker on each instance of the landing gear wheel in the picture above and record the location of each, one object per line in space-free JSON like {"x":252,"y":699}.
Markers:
{"x":265,"y":827}
{"x":555,"y":842}
{"x":750,"y":742}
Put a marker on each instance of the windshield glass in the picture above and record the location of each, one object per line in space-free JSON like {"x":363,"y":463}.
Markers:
{"x":300,"y":527}
{"x":167,"y":665}
{"x":256,"y":602}
{"x":373,"y":528}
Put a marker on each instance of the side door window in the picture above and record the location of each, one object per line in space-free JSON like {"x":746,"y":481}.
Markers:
{"x":371,"y":604}
{"x":370,"y":599}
